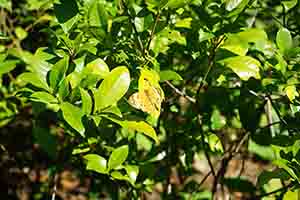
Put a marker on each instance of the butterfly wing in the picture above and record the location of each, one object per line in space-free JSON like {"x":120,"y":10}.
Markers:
{"x":148,"y":99}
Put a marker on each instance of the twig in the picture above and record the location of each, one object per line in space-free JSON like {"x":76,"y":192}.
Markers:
{"x":131,"y":19}
{"x":239,"y":146}
{"x":275,"y":191}
{"x":153,"y":30}
{"x":211,"y":58}
{"x":205,"y":152}
{"x":204,"y":178}
{"x":284,"y":15}
{"x":54,"y":187}
{"x":176,"y":90}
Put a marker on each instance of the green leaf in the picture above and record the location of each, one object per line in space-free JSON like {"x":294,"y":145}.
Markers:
{"x":266,"y":176}
{"x":239,"y":184}
{"x":96,"y":163}
{"x":203,"y":35}
{"x":218,"y":121}
{"x":46,"y":140}
{"x":66,"y":13}
{"x":291,"y":92}
{"x":113,"y":88}
{"x":239,"y":43}
{"x":232,"y":4}
{"x":43,"y":97}
{"x":7,"y":4}
{"x":119,"y":176}
{"x":284,"y":165}
{"x":289,"y":4}
{"x":265,"y":152}
{"x":58,"y":72}
{"x":97,"y":14}
{"x":113,"y":110}
{"x":169,"y":75}
{"x":118,"y":157}
{"x":139,"y":23}
{"x":184,"y":23}
{"x":7,"y":114}
{"x":291,"y":194}
{"x":132,"y":171}
{"x":236,"y":7}
{"x":97,"y":67}
{"x":162,"y":40}
{"x":20,"y":33}
{"x":214,"y":143}
{"x":173,"y":4}
{"x":142,"y":127}
{"x":86,"y":100}
{"x":33,"y":79}
{"x":73,"y":116}
{"x":64,"y":89}
{"x":284,"y":40}
{"x":7,"y":66}
{"x":244,"y":66}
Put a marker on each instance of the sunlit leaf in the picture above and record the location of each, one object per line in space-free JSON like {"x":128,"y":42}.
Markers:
{"x":284,"y":40}
{"x":113,"y":88}
{"x":96,"y":163}
{"x":118,"y":157}
{"x":244,"y":66}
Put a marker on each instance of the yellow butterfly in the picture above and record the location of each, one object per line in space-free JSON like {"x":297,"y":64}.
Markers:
{"x":150,"y":95}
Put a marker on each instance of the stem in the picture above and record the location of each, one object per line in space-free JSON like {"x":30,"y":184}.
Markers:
{"x":191,"y":99}
{"x":205,"y":152}
{"x":275,"y":191}
{"x":153,"y":30}
{"x":211,"y":58}
{"x":131,"y":19}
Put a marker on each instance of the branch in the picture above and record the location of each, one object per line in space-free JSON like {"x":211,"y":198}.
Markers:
{"x":181,"y":93}
{"x":205,"y":152}
{"x":211,"y":58}
{"x":275,"y":191}
{"x":131,"y":19}
{"x":153,"y":30}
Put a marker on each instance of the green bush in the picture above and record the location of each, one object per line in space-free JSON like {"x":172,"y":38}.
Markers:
{"x":132,"y":93}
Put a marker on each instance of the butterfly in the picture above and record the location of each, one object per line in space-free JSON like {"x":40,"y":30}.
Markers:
{"x":150,"y":95}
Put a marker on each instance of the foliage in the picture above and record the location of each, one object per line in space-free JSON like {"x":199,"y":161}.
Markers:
{"x":140,"y":88}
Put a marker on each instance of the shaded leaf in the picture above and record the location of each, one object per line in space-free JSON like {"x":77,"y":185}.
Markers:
{"x":169,"y":75}
{"x":73,"y":116}
{"x":58,"y":72}
{"x":46,"y":140}
{"x":66,"y":13}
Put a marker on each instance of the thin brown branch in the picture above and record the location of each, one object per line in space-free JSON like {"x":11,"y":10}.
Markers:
{"x":181,"y":93}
